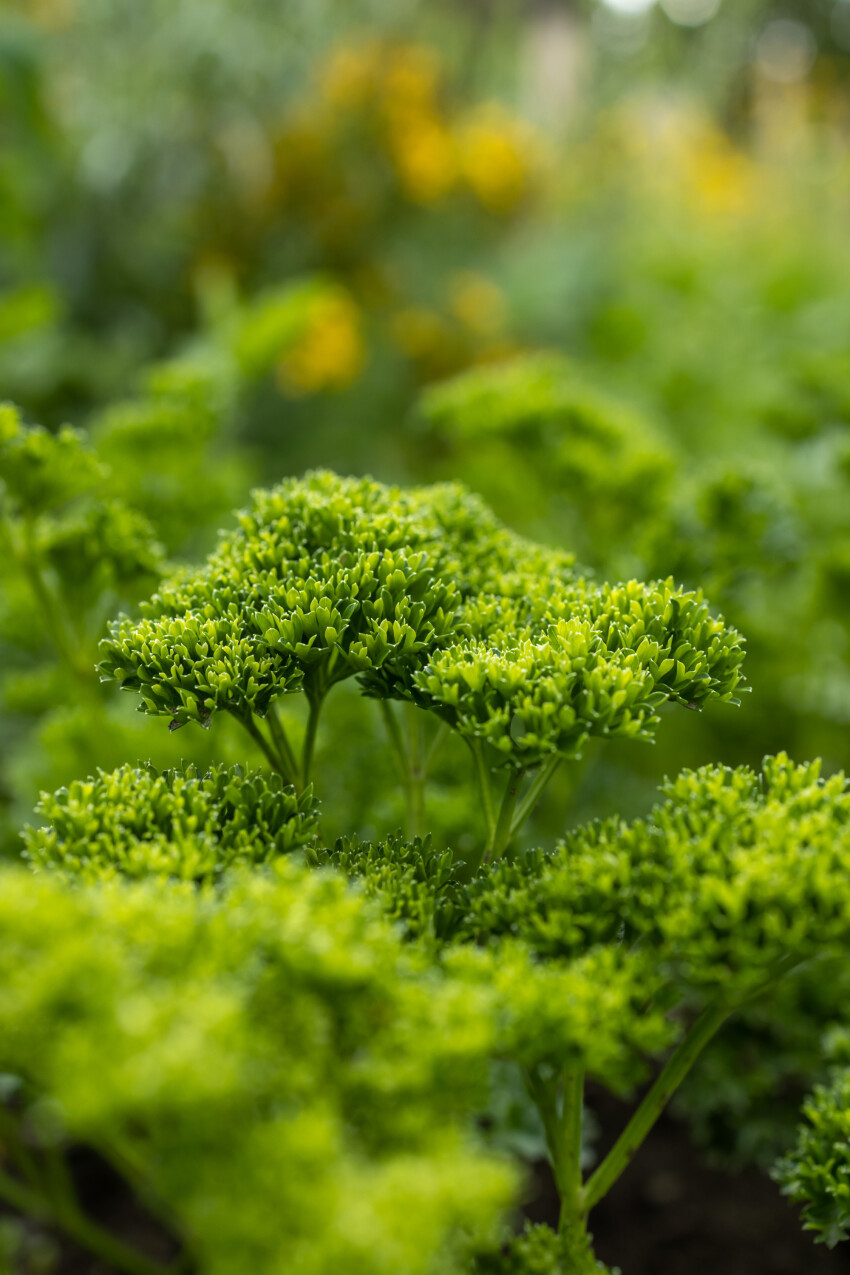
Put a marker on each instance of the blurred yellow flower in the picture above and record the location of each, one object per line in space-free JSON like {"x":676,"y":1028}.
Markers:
{"x":423,"y":153}
{"x":477,"y":302}
{"x":499,"y":157}
{"x":330,"y":352}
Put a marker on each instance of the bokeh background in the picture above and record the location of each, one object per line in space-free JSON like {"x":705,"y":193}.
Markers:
{"x":591,"y":259}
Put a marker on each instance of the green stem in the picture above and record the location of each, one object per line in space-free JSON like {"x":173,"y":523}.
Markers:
{"x":440,"y":736}
{"x":477,"y":750}
{"x":246,"y":721}
{"x":281,"y":743}
{"x":78,"y":1227}
{"x":569,"y":1153}
{"x":501,"y":837}
{"x":310,"y":738}
{"x":531,"y":798}
{"x":562,"y":1126}
{"x":677,"y":1067}
{"x":415,"y":775}
{"x":396,"y":739}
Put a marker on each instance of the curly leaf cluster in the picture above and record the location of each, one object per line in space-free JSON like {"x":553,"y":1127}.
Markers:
{"x":324,"y":578}
{"x":417,"y":886}
{"x":816,"y":1173}
{"x":731,"y":877}
{"x":538,"y":1250}
{"x":181,"y":824}
{"x":592,"y":1010}
{"x":542,"y":673}
{"x":425,"y":596}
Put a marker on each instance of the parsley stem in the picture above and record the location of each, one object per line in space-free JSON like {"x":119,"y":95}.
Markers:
{"x":281,"y":743}
{"x":415,"y":775}
{"x":569,"y":1146}
{"x":276,"y":762}
{"x":315,"y":703}
{"x":534,"y":793}
{"x":477,"y":750}
{"x":676,"y":1068}
{"x":501,"y":837}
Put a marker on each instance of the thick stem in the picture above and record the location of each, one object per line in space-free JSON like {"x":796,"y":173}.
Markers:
{"x":535,"y":791}
{"x":283,"y":747}
{"x":569,"y":1153}
{"x":562,"y":1126}
{"x":310,"y":738}
{"x":501,"y":837}
{"x":477,"y":750}
{"x":677,"y":1067}
{"x":78,"y":1227}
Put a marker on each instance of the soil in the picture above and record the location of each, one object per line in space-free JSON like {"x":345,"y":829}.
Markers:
{"x":673,"y":1214}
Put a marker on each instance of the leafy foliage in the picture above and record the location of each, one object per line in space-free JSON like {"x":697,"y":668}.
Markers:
{"x":267,"y":1064}
{"x":426,"y":597}
{"x":733,"y":876}
{"x":181,"y":824}
{"x":816,"y":1173}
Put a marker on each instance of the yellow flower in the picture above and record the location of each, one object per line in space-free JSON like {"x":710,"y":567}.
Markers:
{"x":330,"y":352}
{"x":720,"y":176}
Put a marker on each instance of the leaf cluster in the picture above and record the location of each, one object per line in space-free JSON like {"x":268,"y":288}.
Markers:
{"x":424,"y":596}
{"x":181,"y":824}
{"x":733,"y":876}
{"x":816,"y":1172}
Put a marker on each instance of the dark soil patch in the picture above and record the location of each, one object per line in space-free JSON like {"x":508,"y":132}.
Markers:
{"x":672,"y":1214}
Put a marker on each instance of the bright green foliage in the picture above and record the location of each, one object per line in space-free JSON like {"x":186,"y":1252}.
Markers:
{"x":593,"y":1013}
{"x":71,"y":549}
{"x":816,"y":1173}
{"x":426,"y":597}
{"x":100,"y":552}
{"x":181,"y":824}
{"x":325,"y":577}
{"x":733,"y":876}
{"x":557,"y":666}
{"x":415,"y":885}
{"x":268,"y":1064}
